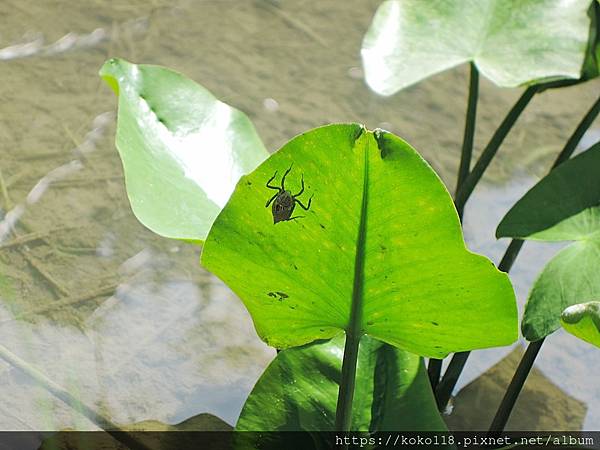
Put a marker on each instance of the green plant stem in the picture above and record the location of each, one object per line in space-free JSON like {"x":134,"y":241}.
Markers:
{"x":434,"y":370}
{"x":467,"y":147}
{"x":343,"y":413}
{"x":450,"y":378}
{"x":515,"y":386}
{"x":491,"y":149}
{"x":583,"y":126}
{"x":62,"y":394}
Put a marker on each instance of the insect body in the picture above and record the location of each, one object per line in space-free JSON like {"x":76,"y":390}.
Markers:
{"x":283,"y":201}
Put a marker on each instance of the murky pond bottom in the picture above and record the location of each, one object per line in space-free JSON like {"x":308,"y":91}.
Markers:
{"x":127,"y":321}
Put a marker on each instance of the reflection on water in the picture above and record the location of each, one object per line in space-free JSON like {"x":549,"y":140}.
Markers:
{"x":151,"y":350}
{"x":477,"y":402}
{"x":126,"y":320}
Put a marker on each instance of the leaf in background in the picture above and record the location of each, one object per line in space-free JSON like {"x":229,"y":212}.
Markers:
{"x":591,"y":64}
{"x":182,"y":149}
{"x":583,"y":321}
{"x":512,"y":43}
{"x":382,"y":234}
{"x":563,"y":206}
{"x":298,"y":391}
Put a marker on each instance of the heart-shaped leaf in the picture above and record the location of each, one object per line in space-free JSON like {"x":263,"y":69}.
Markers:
{"x":379,"y":251}
{"x":563,"y":206}
{"x":511,"y":43}
{"x":583,"y":321}
{"x":392,"y":391}
{"x":182,"y":149}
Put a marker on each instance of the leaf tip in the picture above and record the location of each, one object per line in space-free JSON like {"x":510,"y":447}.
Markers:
{"x":110,"y":70}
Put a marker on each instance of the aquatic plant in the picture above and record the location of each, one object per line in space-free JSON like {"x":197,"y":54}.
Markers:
{"x":372,"y":274}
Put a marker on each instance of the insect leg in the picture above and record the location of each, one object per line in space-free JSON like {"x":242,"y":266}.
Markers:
{"x":305,"y":208}
{"x":283,"y":179}
{"x":301,"y":190}
{"x":269,"y":183}
{"x":296,"y":217}
{"x":271,"y":199}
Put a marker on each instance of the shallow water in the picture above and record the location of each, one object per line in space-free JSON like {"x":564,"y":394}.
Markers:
{"x":126,"y":320}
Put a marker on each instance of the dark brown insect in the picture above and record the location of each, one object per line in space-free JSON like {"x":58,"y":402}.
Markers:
{"x":283,"y":201}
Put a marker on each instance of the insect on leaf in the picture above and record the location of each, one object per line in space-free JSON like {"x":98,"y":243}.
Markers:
{"x":382,"y":240}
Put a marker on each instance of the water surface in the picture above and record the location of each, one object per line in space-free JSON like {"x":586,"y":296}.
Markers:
{"x":128,"y":321}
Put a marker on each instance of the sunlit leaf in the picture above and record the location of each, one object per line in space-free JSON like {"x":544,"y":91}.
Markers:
{"x":382,"y":238}
{"x":563,"y":206}
{"x":583,"y":321}
{"x":182,"y":149}
{"x":511,"y":42}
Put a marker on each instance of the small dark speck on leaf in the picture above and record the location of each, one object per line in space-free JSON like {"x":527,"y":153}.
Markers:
{"x":295,"y":267}
{"x":278,"y":295}
{"x":249,"y":183}
{"x":435,"y":323}
{"x":260,"y":233}
{"x":322,"y":226}
{"x":370,"y":322}
{"x":322,"y":330}
{"x":383,"y":248}
{"x":292,"y":307}
{"x":437,"y":346}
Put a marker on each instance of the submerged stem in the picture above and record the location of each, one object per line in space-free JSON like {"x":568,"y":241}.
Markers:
{"x":61,"y":393}
{"x":467,"y":147}
{"x":491,"y":149}
{"x":459,"y":360}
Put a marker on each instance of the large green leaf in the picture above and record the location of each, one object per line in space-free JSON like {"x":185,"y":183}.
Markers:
{"x":380,"y":252}
{"x":298,"y":391}
{"x":182,"y":149}
{"x":512,"y":42}
{"x":564,"y":205}
{"x":392,"y":390}
{"x":583,"y":321}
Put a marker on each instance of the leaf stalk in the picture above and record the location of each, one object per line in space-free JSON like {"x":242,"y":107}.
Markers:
{"x":467,"y":146}
{"x":459,"y":360}
{"x":491,"y":149}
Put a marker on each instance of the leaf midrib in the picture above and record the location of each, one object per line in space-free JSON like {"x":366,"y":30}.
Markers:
{"x":354,"y":327}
